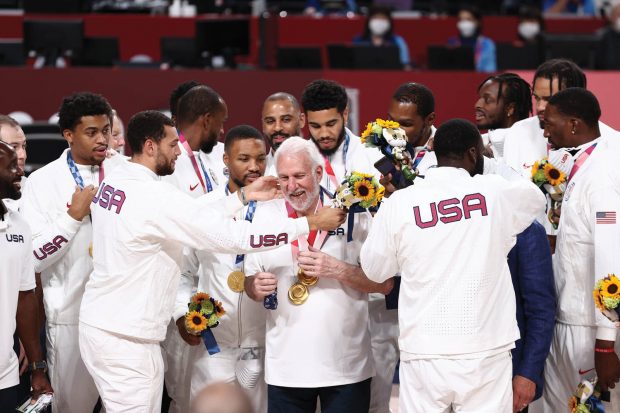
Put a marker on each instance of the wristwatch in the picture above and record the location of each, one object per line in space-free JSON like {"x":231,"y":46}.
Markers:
{"x":39,"y":365}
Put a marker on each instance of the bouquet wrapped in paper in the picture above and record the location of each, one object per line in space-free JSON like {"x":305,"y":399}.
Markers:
{"x":606,"y":296}
{"x":391,"y":140}
{"x":551,"y":174}
{"x":204,"y":313}
{"x":587,"y":398}
{"x":359,"y":189}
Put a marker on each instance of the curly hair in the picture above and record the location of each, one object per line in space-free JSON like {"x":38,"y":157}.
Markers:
{"x":324,"y":94}
{"x":82,"y":104}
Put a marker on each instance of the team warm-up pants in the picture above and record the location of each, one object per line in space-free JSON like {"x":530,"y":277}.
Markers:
{"x":179,"y":360}
{"x":383,"y":327}
{"x":128,"y":372}
{"x":570,"y":360}
{"x":74,"y":389}
{"x":460,"y":385}
{"x":222,"y":366}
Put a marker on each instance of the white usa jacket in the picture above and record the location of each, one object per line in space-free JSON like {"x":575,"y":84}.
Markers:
{"x":60,"y":243}
{"x":587,"y":251}
{"x":243,"y":325}
{"x":449,"y":235}
{"x":325,"y":341}
{"x":140,"y":228}
{"x":185,"y":177}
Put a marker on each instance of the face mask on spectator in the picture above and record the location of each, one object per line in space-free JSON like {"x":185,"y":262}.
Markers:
{"x":467,"y":28}
{"x":529,"y":30}
{"x":379,"y":27}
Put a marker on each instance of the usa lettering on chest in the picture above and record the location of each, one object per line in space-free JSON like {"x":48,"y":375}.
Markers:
{"x":452,"y":210}
{"x":14,"y":238}
{"x":268,"y":240}
{"x":108,"y":197}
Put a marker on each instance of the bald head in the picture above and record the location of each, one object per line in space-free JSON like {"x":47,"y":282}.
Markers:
{"x":221,"y":398}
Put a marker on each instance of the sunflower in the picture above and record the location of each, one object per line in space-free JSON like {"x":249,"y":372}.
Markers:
{"x":366,"y":132}
{"x":572,"y":404}
{"x":195,"y":322}
{"x":363,"y":190}
{"x":554,"y":175}
{"x":610,"y":287}
{"x":198,"y":298}
{"x":380,"y":193}
{"x":598,"y":300}
{"x":219,"y":309}
{"x":389,"y":124}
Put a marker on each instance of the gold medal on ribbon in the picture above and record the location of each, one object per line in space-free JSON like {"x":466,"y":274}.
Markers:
{"x":235,"y":281}
{"x":298,"y":293}
{"x":90,"y":249}
{"x":306,"y":280}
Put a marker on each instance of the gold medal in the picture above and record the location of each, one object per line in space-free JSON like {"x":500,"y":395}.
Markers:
{"x":298,"y":293}
{"x":90,"y":249}
{"x":235,"y":281}
{"x":306,"y":280}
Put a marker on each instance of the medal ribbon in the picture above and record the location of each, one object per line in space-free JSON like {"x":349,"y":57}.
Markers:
{"x":418,"y":158}
{"x":192,"y":158}
{"x":581,"y":159}
{"x":249,"y":216}
{"x":204,"y":171}
{"x":76,"y":172}
{"x":328,"y":166}
{"x":312,"y":238}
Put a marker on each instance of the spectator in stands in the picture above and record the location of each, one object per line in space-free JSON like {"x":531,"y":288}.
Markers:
{"x":608,"y":52}
{"x":320,"y":7}
{"x":379,"y":32}
{"x":531,"y":26}
{"x":581,"y":7}
{"x":470,"y":28}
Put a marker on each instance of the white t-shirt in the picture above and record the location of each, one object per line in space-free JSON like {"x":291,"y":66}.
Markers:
{"x":16,"y":274}
{"x":325,"y":341}
{"x":456,"y":294}
{"x":140,"y":228}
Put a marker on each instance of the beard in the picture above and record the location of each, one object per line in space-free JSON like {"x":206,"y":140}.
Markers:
{"x":163,"y":167}
{"x":303,"y":205}
{"x":208,"y":145}
{"x":12,"y":192}
{"x":329,"y":152}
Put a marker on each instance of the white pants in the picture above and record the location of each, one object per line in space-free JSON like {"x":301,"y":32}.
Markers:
{"x":467,"y":386}
{"x":179,"y":359}
{"x":572,"y":351}
{"x":74,"y":389}
{"x":219,"y":367}
{"x":129,"y":373}
{"x":383,"y":327}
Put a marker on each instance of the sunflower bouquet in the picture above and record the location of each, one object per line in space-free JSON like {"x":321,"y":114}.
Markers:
{"x":204,"y":313}
{"x":587,"y":398}
{"x":550,"y":175}
{"x":359,"y":188}
{"x":606,"y":296}
{"x":391,"y":140}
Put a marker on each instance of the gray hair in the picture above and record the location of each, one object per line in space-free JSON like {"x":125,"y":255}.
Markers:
{"x":296,"y":145}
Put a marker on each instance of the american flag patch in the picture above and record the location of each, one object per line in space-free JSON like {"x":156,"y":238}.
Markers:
{"x":605,"y":217}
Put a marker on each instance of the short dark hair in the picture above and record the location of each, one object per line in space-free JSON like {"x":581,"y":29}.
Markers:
{"x":454,"y":137}
{"x":148,"y":124}
{"x":374,"y":11}
{"x":324,"y":94}
{"x":513,"y":89}
{"x":566,"y":71}
{"x":82,"y":104}
{"x":241,"y":132}
{"x":178,"y":93}
{"x":283,"y":96}
{"x":196,"y":102}
{"x":578,"y":103}
{"x":417,"y":94}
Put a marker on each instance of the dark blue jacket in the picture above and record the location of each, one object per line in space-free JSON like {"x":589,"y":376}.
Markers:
{"x":532,"y":278}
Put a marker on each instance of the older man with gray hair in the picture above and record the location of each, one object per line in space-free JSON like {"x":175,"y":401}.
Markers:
{"x":317,"y":343}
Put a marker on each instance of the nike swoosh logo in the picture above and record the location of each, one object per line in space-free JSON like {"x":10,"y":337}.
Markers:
{"x":191,"y":188}
{"x":582,"y":372}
